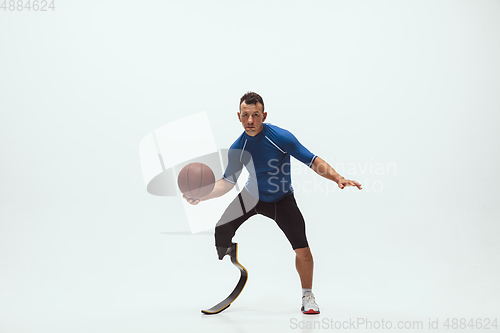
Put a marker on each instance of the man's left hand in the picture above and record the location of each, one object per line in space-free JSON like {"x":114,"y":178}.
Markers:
{"x":346,"y":182}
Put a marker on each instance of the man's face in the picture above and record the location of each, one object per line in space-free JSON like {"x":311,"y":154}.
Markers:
{"x":252,"y":117}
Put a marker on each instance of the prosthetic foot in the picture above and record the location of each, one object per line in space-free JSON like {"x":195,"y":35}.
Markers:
{"x":232,"y":252}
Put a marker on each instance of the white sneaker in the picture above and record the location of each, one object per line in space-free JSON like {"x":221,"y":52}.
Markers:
{"x":309,"y":305}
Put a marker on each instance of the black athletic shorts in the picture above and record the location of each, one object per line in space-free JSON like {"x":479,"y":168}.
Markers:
{"x":285,"y":212}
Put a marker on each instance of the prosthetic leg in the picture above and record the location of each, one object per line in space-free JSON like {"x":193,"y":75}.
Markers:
{"x":233,"y":254}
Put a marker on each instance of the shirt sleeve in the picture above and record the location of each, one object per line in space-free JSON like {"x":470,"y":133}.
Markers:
{"x":234,"y":166}
{"x":297,"y":150}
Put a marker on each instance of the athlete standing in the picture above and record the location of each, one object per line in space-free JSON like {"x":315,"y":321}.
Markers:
{"x":265,"y":150}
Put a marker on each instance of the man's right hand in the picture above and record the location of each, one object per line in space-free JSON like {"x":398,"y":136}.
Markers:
{"x":221,"y":187}
{"x":191,"y":201}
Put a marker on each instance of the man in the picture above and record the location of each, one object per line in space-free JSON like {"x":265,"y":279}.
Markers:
{"x":265,"y":151}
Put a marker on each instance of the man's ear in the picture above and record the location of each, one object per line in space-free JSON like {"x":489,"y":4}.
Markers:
{"x":264,"y":116}
{"x":239,"y":116}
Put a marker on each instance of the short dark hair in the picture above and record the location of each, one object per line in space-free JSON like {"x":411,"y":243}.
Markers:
{"x":251,"y":98}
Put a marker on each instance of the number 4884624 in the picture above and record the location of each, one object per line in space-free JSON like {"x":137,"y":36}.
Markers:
{"x":20,"y":5}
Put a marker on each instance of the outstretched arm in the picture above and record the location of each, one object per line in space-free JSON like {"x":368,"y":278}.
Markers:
{"x":221,"y":187}
{"x":324,"y":169}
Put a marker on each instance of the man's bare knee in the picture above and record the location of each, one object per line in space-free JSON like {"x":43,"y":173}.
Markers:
{"x":304,"y":254}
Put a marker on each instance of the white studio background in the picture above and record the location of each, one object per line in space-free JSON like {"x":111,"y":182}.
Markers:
{"x":399,"y":95}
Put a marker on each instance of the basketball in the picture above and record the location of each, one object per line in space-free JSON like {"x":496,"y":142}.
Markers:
{"x":196,"y":180}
